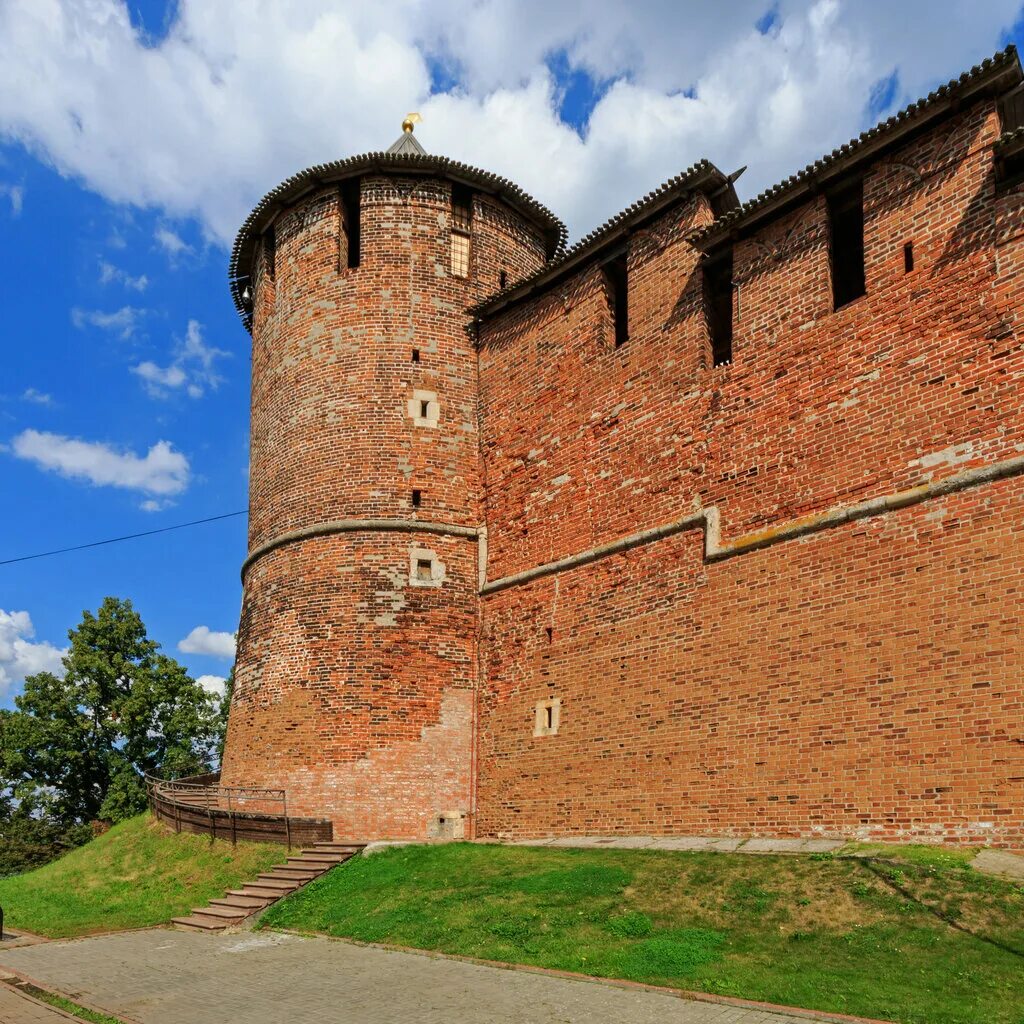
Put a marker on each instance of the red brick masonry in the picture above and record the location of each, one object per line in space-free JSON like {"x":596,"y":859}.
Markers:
{"x":771,"y":663}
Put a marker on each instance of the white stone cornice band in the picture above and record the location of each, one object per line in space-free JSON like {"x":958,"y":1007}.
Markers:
{"x":358,"y":526}
{"x":715,"y":549}
{"x":707,"y":519}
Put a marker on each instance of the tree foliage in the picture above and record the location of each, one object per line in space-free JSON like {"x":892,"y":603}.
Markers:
{"x":77,"y":747}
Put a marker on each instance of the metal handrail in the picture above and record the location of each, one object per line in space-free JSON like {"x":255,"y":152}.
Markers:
{"x":233,"y":803}
{"x":186,"y":785}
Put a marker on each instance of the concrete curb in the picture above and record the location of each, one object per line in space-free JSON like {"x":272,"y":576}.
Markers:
{"x":11,"y":978}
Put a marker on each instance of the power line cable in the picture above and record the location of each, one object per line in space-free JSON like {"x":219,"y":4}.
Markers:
{"x":117,"y":540}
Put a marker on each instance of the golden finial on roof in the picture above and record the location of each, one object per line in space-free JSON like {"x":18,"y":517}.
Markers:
{"x":410,"y":122}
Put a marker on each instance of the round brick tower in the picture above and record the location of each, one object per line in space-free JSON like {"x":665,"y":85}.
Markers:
{"x":356,"y":670}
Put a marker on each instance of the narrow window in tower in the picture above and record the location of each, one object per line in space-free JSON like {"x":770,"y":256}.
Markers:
{"x":908,"y":257}
{"x":462,"y":229}
{"x":618,"y":296}
{"x":846,"y":235}
{"x":423,"y":569}
{"x":417,"y":498}
{"x":350,"y":221}
{"x":551,"y":633}
{"x":415,"y":355}
{"x":424,"y":409}
{"x":718,"y":307}
{"x":503,"y":279}
{"x":270,"y":252}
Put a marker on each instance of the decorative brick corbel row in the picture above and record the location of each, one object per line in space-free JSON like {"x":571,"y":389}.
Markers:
{"x":716,"y":550}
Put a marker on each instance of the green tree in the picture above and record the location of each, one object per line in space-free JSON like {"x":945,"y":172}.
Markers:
{"x":76,"y":748}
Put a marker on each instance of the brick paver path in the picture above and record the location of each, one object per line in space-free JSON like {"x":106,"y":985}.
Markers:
{"x":18,"y":1009}
{"x":169,"y":977}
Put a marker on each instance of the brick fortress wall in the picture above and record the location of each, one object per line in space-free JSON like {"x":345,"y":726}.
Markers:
{"x":866,"y":679}
{"x":355,"y":679}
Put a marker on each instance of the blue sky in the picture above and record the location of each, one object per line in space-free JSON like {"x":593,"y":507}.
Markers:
{"x":124,"y":392}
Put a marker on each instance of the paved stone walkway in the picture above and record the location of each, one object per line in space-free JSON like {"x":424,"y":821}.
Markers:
{"x":989,"y":862}
{"x":711,"y":844}
{"x":18,"y":1009}
{"x":999,"y":862}
{"x":160,"y":976}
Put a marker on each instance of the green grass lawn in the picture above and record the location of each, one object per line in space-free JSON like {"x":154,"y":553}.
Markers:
{"x":138,"y":873}
{"x":829,"y":933}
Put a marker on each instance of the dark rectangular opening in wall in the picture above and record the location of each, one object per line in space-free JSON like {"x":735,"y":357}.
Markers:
{"x":424,"y":409}
{"x":618,"y":293}
{"x":462,"y":208}
{"x":417,"y":498}
{"x":350,"y":220}
{"x":846,"y":240}
{"x":550,"y":632}
{"x":415,"y":355}
{"x":718,"y":307}
{"x":423,"y":569}
{"x":1011,"y":110}
{"x":1010,"y":156}
{"x":502,"y":279}
{"x":462,"y":230}
{"x":908,"y":257}
{"x":270,"y":252}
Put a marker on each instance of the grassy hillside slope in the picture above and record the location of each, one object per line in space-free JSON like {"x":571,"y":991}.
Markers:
{"x":137,"y":874}
{"x":824,"y":932}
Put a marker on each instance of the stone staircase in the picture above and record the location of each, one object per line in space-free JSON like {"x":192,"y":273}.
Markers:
{"x":238,"y":904}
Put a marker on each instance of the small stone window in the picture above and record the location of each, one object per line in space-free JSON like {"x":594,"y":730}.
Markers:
{"x":425,"y":568}
{"x":547,"y":717}
{"x":424,"y":409}
{"x":417,"y":498}
{"x":415,"y":355}
{"x":908,"y":257}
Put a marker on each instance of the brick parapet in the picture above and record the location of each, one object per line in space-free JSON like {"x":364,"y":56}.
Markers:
{"x":883,"y":407}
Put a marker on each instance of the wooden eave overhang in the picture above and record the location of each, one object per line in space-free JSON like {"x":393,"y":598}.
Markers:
{"x":609,"y":238}
{"x":312,"y":179}
{"x":992,"y":77}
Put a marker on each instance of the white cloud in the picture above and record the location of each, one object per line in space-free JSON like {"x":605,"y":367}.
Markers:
{"x":203,"y":640}
{"x":122,"y":322}
{"x":152,"y":505}
{"x":204,"y":121}
{"x":109,"y":273}
{"x":193,"y":368}
{"x":212,"y":684}
{"x":159,"y":378}
{"x":19,"y":656}
{"x":162,"y":471}
{"x":15,"y":195}
{"x":36,"y":397}
{"x":172,"y":243}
